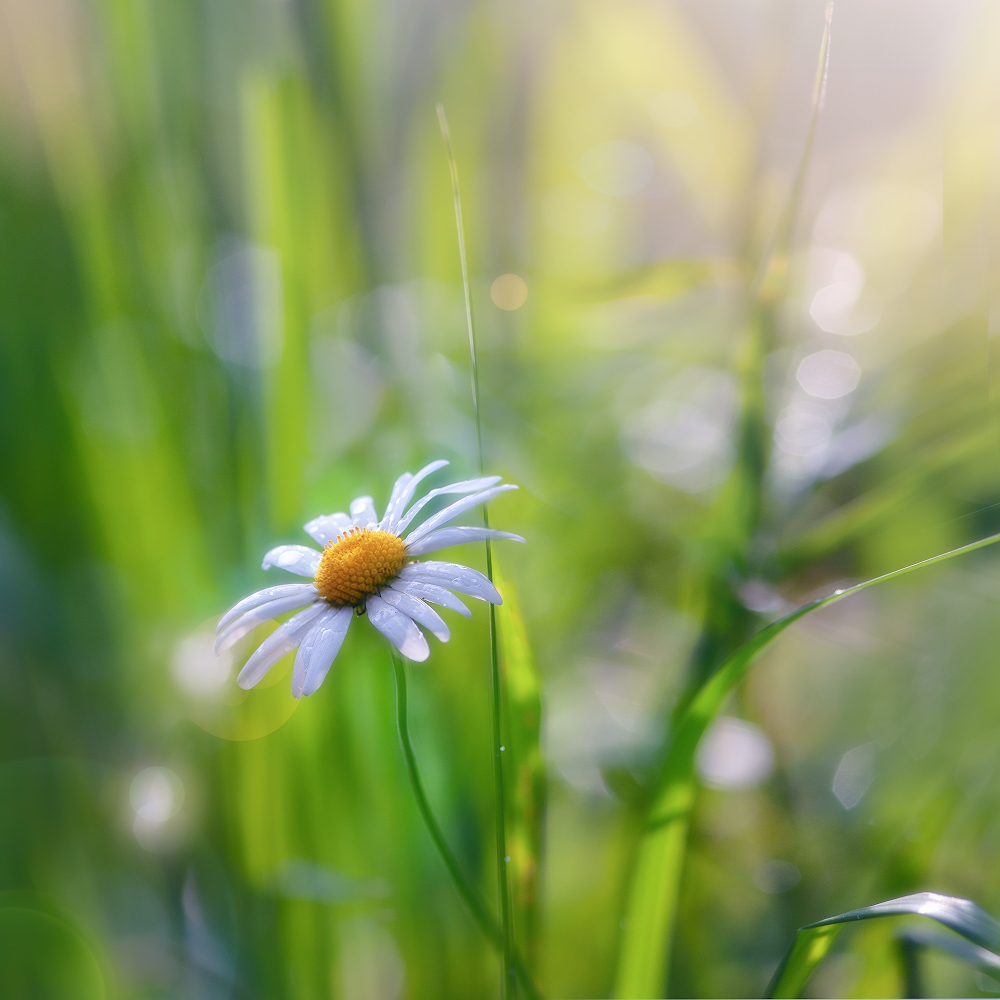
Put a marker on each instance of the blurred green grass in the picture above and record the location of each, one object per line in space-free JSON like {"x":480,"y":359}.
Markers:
{"x":230,"y":300}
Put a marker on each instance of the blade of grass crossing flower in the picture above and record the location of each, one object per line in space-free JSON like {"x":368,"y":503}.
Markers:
{"x":813,"y":942}
{"x":499,"y":805}
{"x":524,"y":768}
{"x":652,"y":901}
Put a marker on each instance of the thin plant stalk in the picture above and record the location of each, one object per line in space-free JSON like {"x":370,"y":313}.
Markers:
{"x":652,"y":896}
{"x":664,"y":845}
{"x":486,"y":921}
{"x":499,"y":796}
{"x":781,"y":237}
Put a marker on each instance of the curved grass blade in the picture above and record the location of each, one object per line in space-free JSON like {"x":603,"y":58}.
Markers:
{"x":813,"y":942}
{"x":737,"y":511}
{"x":524,"y":769}
{"x":868,"y":511}
{"x":652,"y":900}
{"x":773,"y":268}
{"x":913,"y":941}
{"x":482,"y":916}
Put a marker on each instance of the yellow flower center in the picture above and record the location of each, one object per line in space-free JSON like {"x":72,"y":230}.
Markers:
{"x":357,"y":563}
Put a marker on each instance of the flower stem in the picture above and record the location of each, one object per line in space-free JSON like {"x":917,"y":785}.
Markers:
{"x":507,"y":981}
{"x":470,"y":897}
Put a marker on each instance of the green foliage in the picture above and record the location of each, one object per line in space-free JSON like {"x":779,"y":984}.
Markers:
{"x":524,"y":768}
{"x":813,"y":942}
{"x":230,"y":299}
{"x":652,"y":904}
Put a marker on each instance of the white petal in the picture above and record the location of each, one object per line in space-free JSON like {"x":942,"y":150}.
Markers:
{"x":397,"y":489}
{"x":262,"y":597}
{"x":458,"y":507}
{"x":466,"y":486}
{"x":264,"y":613}
{"x":418,"y":611}
{"x":444,"y":537}
{"x":398,"y":629}
{"x":295,"y":558}
{"x":327,"y":527}
{"x":433,"y":593}
{"x":461,"y":578}
{"x":363,"y":512}
{"x":281,"y":641}
{"x":319,"y":649}
{"x":398,"y":503}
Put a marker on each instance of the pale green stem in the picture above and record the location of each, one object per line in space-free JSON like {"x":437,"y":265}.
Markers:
{"x":470,"y":897}
{"x":499,"y":796}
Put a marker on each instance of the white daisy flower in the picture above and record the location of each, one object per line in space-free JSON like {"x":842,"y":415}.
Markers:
{"x":365,"y":565}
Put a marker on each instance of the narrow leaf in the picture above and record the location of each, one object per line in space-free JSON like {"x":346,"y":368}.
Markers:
{"x":813,"y":942}
{"x":652,"y":901}
{"x":524,"y":768}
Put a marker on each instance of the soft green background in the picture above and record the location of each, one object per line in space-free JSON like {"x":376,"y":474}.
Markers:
{"x":230,"y":301}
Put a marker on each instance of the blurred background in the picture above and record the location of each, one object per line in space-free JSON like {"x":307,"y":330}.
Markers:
{"x":230,"y":301}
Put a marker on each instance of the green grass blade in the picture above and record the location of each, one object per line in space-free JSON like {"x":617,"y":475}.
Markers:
{"x":773,"y":269}
{"x":470,"y":897}
{"x":866,"y":512}
{"x":524,"y":768}
{"x":810,"y":948}
{"x":507,"y":983}
{"x":652,"y":901}
{"x":727,"y":539}
{"x":466,"y":286}
{"x":812,"y":942}
{"x":915,"y":940}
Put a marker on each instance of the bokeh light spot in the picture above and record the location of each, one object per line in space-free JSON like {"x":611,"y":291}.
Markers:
{"x":855,"y":775}
{"x":196,"y":668}
{"x":734,"y":754}
{"x":828,"y":374}
{"x":803,"y":428}
{"x":837,"y":305}
{"x":215,"y":702}
{"x":509,"y":292}
{"x":682,"y":437}
{"x":156,"y":794}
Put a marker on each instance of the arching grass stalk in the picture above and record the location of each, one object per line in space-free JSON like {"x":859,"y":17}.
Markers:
{"x":730,"y":541}
{"x":499,"y":797}
{"x":477,"y":908}
{"x":662,"y":848}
